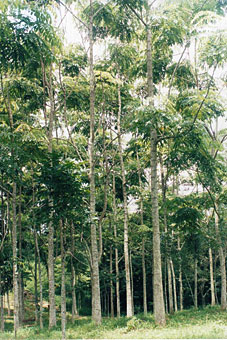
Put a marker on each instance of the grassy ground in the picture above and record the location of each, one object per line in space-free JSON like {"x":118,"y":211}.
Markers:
{"x":207,"y":323}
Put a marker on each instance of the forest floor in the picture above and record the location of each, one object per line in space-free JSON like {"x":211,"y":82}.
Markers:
{"x":207,"y":323}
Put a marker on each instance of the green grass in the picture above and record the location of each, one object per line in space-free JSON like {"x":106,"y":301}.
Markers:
{"x":207,"y":323}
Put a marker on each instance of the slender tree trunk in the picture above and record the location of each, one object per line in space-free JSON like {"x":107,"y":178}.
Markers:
{"x":129,"y":305}
{"x":211,"y":278}
{"x":196,"y":283}
{"x":165,"y":287}
{"x":132,"y":283}
{"x":116,"y":249}
{"x":63,"y":294}
{"x":222,"y":263}
{"x":168,"y":260}
{"x":144,"y":278}
{"x":96,"y":303}
{"x":180,"y":275}
{"x":8,"y":304}
{"x":170,"y":287}
{"x":40,"y":286}
{"x":15,"y":269}
{"x":73,"y":279}
{"x":2,"y":305}
{"x":174,"y":286}
{"x":20,"y":274}
{"x":143,"y":239}
{"x":158,"y":299}
{"x":37,"y":256}
{"x":111,"y":283}
{"x":36,"y":290}
{"x":49,"y":86}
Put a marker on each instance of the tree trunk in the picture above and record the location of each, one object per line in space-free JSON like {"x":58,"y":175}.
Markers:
{"x":15,"y":269}
{"x":180,"y":275}
{"x":111,"y":283}
{"x":129,"y":307}
{"x":158,"y":299}
{"x":174,"y":286}
{"x":49,"y":86}
{"x":73,"y":279}
{"x":20,"y":274}
{"x":2,"y":305}
{"x":116,"y":249}
{"x":36,"y":290}
{"x":132,"y":283}
{"x":165,"y":288}
{"x":8,"y":304}
{"x":170,"y":287}
{"x":96,"y":303}
{"x":211,"y":278}
{"x":143,"y":239}
{"x":40,"y":286}
{"x":196,"y":283}
{"x":222,"y":262}
{"x":63,"y":295}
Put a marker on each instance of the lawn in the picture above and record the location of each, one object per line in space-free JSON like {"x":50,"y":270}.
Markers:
{"x":207,"y":323}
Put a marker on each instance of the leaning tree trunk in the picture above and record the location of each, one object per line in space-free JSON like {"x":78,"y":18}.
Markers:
{"x":211,"y":278}
{"x":129,"y":306}
{"x":96,"y":303}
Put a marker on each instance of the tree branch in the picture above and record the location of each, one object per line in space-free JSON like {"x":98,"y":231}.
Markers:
{"x":71,"y":12}
{"x":5,"y":190}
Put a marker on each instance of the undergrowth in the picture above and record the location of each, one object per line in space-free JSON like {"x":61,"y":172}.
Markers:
{"x":207,"y":323}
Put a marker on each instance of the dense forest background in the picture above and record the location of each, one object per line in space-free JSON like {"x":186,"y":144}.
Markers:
{"x":112,"y":158}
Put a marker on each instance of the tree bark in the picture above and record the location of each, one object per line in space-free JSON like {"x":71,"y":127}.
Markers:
{"x":129,"y":307}
{"x":211,"y":278}
{"x":96,"y":303}
{"x":158,"y":299}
